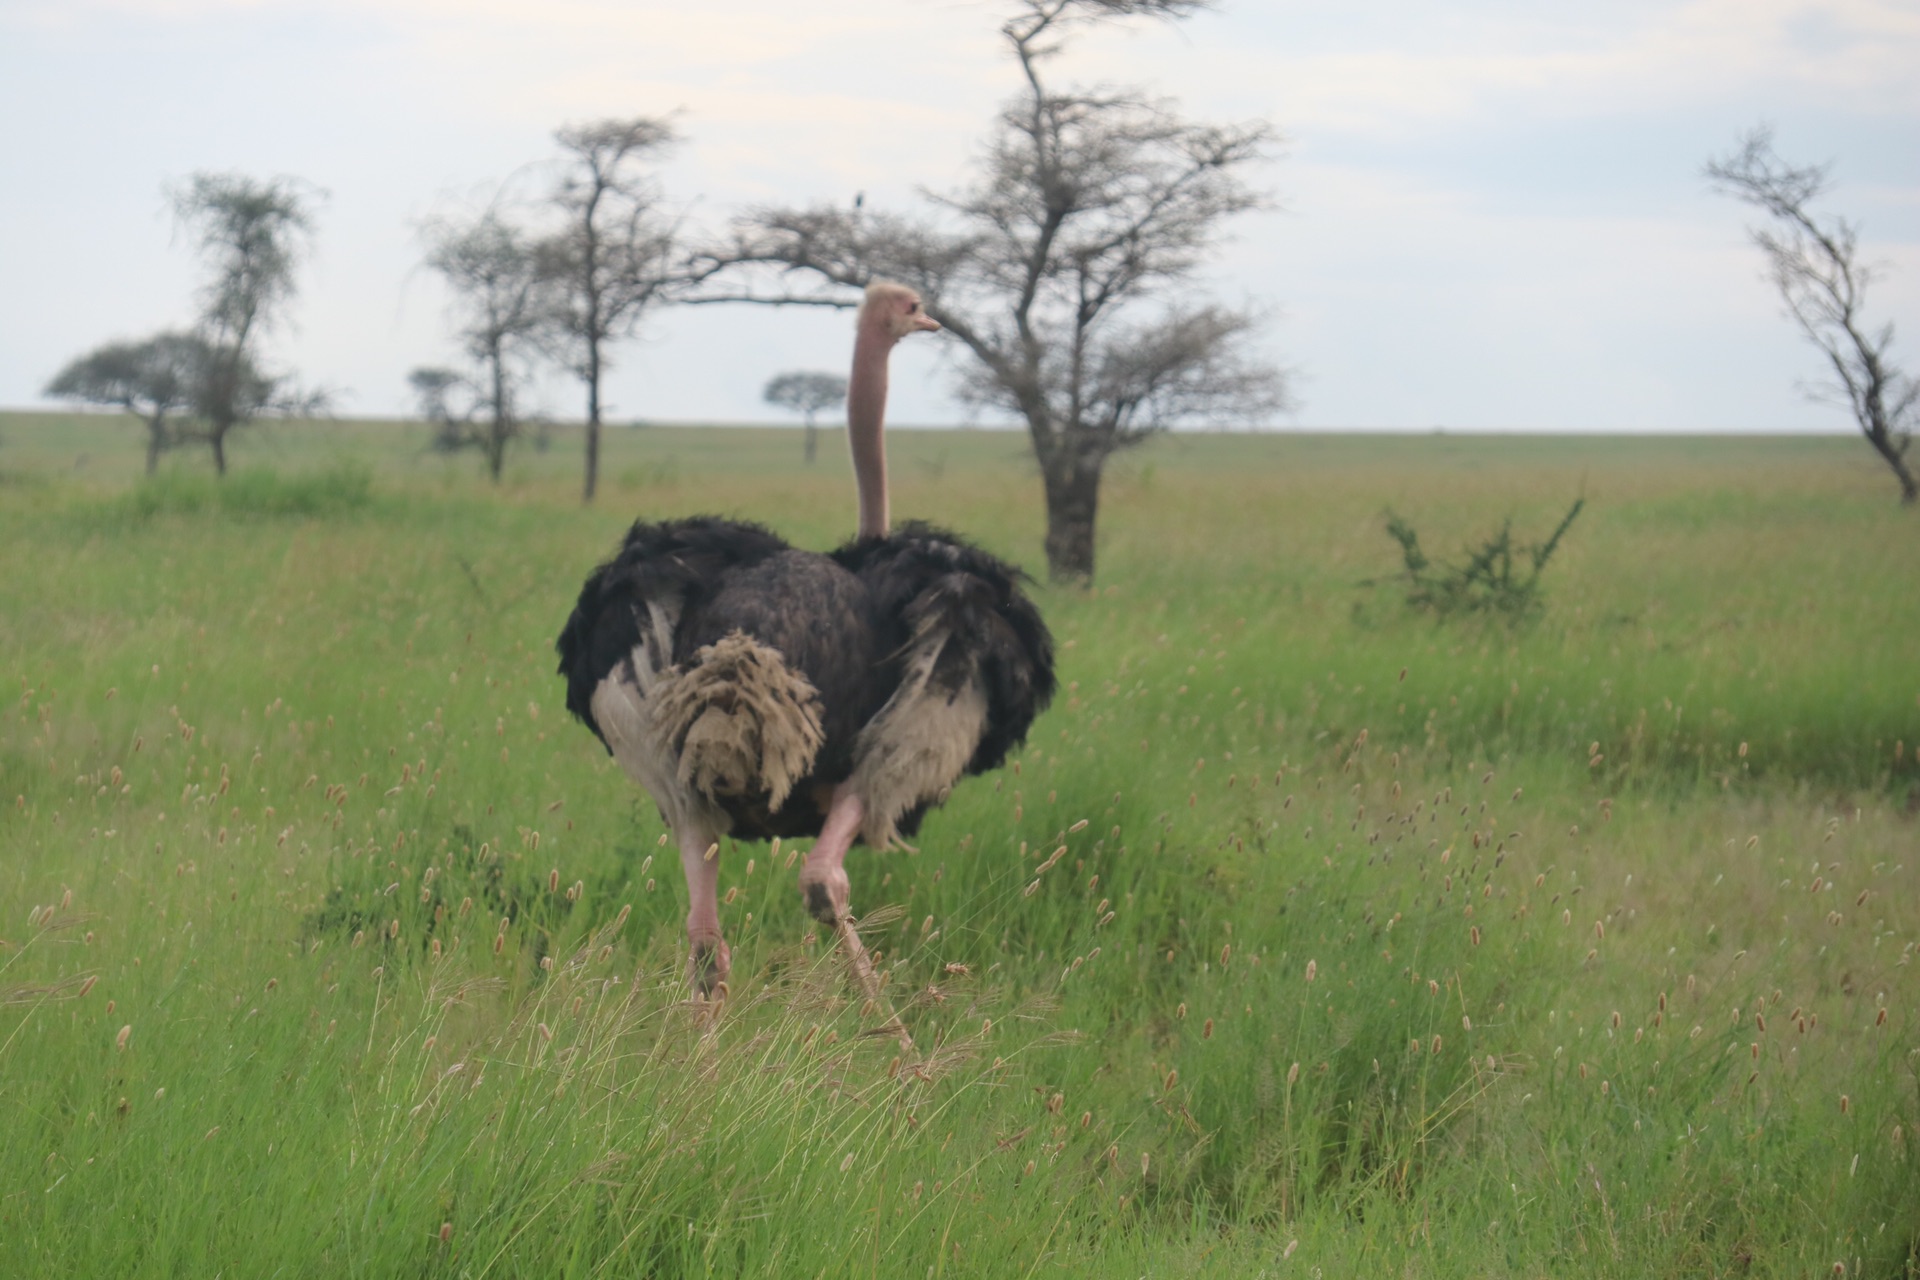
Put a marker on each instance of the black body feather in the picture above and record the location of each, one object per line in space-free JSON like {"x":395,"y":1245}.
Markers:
{"x":845,"y":620}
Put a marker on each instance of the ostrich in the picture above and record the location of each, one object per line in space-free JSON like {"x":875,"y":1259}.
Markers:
{"x":757,"y":690}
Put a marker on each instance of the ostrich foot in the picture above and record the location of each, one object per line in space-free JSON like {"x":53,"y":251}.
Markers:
{"x":823,"y":887}
{"x":709,"y":965}
{"x":826,"y":898}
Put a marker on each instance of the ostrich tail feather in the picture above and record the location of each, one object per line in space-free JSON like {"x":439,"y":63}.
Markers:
{"x":740,"y":721}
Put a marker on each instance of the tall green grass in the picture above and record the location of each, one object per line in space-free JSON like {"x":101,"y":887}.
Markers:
{"x":1361,"y":959}
{"x":252,"y":492}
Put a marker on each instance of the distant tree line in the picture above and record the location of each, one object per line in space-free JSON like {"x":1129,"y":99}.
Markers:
{"x":1065,"y":265}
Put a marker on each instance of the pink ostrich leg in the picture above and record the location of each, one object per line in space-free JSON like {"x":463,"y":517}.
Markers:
{"x":823,"y":886}
{"x":709,"y":962}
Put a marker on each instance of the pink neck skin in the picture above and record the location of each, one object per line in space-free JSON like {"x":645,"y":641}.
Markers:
{"x":866,"y":417}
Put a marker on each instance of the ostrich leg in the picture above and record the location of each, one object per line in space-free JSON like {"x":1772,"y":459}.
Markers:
{"x":823,"y":885}
{"x":708,"y":960}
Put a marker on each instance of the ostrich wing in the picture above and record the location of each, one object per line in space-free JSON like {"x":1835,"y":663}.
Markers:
{"x":970,"y":660}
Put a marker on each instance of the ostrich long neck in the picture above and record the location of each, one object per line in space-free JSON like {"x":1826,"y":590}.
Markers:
{"x":866,"y":417}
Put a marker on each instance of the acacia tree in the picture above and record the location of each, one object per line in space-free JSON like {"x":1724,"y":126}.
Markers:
{"x":151,"y":379}
{"x":613,"y":257}
{"x":808,"y":394}
{"x":1066,"y":268}
{"x":1814,"y":263}
{"x":500,"y":296}
{"x":448,"y":402}
{"x":250,"y":233}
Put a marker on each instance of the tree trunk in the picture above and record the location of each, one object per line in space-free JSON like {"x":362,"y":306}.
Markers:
{"x":156,"y":441}
{"x":217,"y":438}
{"x":1883,"y":444}
{"x":497,"y":431}
{"x":1072,"y":483}
{"x":496,"y":450}
{"x":812,"y":443}
{"x":593,"y":422}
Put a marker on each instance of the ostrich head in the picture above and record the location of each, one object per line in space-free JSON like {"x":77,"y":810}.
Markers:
{"x":893,"y":310}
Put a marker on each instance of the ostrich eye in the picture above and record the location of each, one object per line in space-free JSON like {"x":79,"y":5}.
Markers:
{"x":912,"y":307}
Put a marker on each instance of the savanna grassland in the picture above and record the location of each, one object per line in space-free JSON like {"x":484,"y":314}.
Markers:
{"x":1307,"y":935}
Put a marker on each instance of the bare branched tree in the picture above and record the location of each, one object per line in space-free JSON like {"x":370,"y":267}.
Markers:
{"x":1814,"y":263}
{"x":151,"y":379}
{"x":807,"y":394}
{"x":250,"y":233}
{"x":1066,"y":268}
{"x":494,"y":270}
{"x":614,"y":256}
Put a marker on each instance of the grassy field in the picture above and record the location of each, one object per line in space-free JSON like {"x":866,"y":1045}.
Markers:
{"x":330,"y":946}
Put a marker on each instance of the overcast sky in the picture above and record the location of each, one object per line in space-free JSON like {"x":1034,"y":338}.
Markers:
{"x":1490,"y":213}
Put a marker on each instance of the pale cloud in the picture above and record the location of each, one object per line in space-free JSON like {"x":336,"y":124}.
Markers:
{"x":1411,"y":72}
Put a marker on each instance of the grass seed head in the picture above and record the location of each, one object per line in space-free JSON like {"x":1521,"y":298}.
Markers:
{"x":126,"y":1034}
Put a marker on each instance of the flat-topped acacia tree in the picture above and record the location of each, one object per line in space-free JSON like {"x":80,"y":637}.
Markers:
{"x":154,"y":379}
{"x":1066,"y":267}
{"x":808,"y":394}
